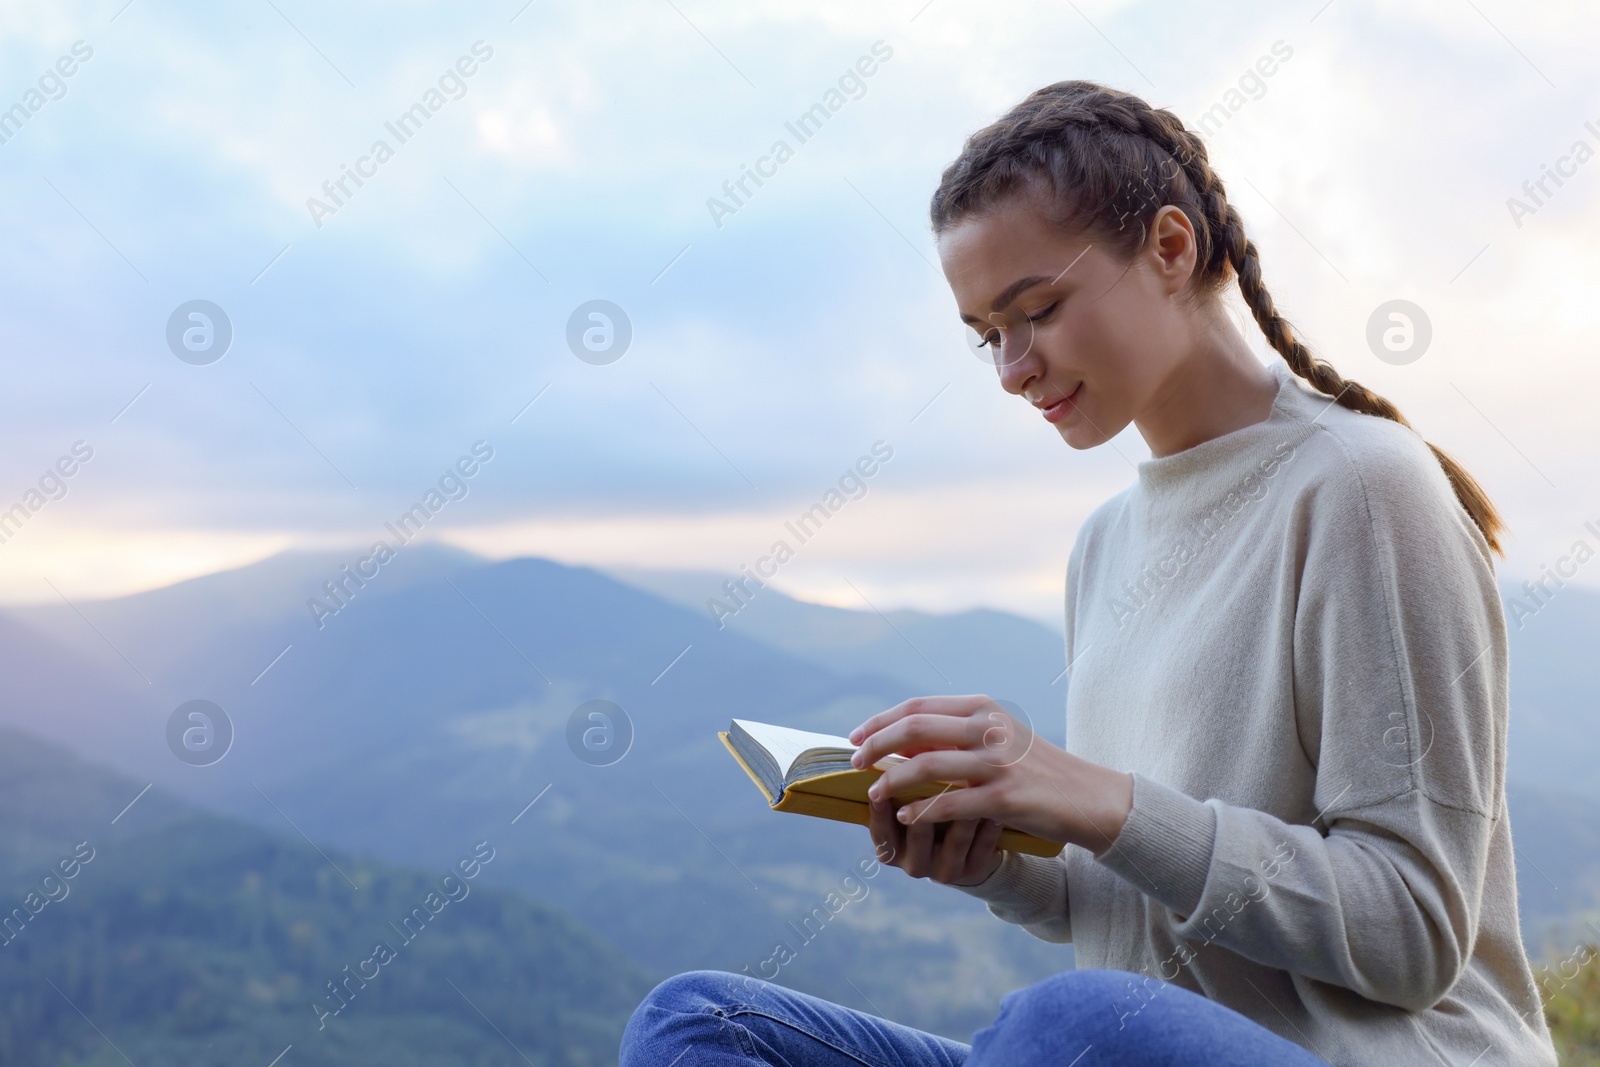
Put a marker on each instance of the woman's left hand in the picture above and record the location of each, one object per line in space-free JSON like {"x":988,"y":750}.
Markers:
{"x":1012,"y":775}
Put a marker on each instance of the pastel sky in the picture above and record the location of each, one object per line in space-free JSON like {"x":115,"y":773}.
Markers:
{"x":372,"y":346}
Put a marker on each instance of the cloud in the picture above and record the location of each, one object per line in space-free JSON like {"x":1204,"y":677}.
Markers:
{"x":429,"y":310}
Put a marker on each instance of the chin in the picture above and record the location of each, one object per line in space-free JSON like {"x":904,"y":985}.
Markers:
{"x":1080,"y":437}
{"x":1082,"y":434}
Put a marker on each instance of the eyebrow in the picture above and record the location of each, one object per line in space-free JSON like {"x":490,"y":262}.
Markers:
{"x":1011,"y":292}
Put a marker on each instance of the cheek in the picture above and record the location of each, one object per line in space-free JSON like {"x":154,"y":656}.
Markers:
{"x":1092,"y":341}
{"x":1121,"y":343}
{"x":1106,"y":345}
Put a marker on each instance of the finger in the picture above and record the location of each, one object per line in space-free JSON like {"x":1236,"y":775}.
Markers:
{"x":919,"y":850}
{"x":950,"y":862}
{"x":888,"y":836}
{"x":917,"y":732}
{"x":985,"y":847}
{"x":948,"y":806}
{"x":985,"y":841}
{"x":936,"y":705}
{"x":882,"y":719}
{"x":938,"y":765}
{"x":1005,"y":738}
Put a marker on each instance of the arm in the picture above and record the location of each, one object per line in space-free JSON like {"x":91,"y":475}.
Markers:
{"x":1384,"y":905}
{"x":1030,"y":891}
{"x":1400,"y":682}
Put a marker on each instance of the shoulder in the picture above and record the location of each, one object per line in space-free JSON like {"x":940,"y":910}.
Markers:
{"x":1099,"y":523}
{"x":1373,"y":478}
{"x":1354,"y":467}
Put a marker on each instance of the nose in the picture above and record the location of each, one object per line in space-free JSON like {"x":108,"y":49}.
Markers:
{"x":1015,"y":361}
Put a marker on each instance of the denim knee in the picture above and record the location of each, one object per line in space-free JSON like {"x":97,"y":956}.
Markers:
{"x":704,"y":990}
{"x":1086,"y":1002}
{"x":688,"y":1009}
{"x":1125,"y":1017}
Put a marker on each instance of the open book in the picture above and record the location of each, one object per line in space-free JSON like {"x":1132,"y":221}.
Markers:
{"x":810,"y":773}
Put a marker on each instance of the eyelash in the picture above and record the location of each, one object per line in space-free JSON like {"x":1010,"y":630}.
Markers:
{"x":1045,"y":314}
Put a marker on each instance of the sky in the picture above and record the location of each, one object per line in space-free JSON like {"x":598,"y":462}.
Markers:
{"x":379,"y":334}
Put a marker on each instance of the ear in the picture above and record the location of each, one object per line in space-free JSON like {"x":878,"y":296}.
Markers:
{"x":1172,"y":248}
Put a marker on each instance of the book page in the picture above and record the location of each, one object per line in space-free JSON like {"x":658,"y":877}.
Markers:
{"x":786,"y":744}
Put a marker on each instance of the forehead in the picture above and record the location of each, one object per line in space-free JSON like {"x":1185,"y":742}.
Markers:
{"x":984,"y":256}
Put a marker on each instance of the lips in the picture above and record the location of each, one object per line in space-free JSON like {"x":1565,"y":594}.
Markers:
{"x":1057,"y":408}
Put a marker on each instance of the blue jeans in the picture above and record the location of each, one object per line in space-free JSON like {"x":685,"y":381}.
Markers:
{"x":1072,"y":1019}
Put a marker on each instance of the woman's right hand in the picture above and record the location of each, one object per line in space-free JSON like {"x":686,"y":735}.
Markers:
{"x":963,"y":852}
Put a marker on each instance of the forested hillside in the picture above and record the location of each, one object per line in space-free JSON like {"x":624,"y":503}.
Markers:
{"x":174,"y":936}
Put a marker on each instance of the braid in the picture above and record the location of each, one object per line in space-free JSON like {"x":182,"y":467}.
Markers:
{"x":1097,"y":158}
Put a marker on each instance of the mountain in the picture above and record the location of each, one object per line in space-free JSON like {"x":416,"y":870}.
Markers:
{"x":975,"y":651}
{"x":1557,"y":838}
{"x":444,"y":698}
{"x":141,"y":930}
{"x":1555,"y":675}
{"x":431,"y":705}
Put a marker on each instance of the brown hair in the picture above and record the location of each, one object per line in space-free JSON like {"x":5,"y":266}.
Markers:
{"x":1102,"y":162}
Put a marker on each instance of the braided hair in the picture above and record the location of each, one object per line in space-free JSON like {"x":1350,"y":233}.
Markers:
{"x":1102,"y":162}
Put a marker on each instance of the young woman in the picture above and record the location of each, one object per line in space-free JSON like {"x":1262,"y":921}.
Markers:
{"x":1282,"y":793}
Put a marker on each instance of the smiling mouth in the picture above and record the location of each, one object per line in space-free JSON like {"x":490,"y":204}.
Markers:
{"x":1061,"y":407}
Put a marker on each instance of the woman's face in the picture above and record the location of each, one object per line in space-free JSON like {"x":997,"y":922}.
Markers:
{"x":1087,"y":339}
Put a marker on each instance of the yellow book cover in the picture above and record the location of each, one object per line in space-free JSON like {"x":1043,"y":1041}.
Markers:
{"x":842,"y":796}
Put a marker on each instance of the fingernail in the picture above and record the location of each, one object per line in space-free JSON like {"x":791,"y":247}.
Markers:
{"x":904,"y":815}
{"x":874,"y":793}
{"x":855,"y":759}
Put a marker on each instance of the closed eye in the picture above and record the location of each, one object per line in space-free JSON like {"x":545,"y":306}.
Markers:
{"x":1045,"y":314}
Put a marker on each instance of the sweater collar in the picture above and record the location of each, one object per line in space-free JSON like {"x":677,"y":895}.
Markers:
{"x":1159,"y":473}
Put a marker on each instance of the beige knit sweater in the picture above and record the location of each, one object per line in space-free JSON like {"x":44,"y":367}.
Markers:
{"x":1291,"y":635}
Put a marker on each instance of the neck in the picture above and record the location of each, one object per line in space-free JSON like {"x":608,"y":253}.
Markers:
{"x":1218,"y":386}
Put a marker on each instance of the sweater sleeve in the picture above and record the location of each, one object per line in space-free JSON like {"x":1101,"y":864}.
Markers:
{"x":1400,"y":679}
{"x":1030,"y":891}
